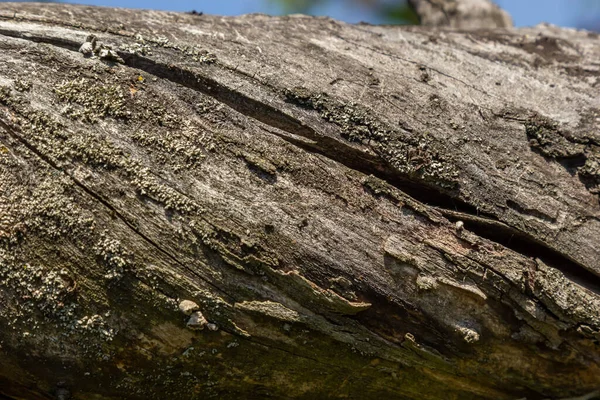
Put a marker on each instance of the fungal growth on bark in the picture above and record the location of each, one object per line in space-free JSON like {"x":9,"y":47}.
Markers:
{"x":194,"y":207}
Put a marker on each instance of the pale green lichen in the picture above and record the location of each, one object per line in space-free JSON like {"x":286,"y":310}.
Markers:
{"x":22,"y":85}
{"x":148,"y":184}
{"x":37,"y":288}
{"x":97,"y":325}
{"x":468,"y":334}
{"x":426,"y":282}
{"x":356,"y":123}
{"x":50,"y":211}
{"x":95,"y":100}
{"x":413,"y":155}
{"x":111,"y":252}
{"x":139,"y":47}
{"x":93,"y":151}
{"x":51,"y":138}
{"x":199,"y":55}
{"x":50,"y":291}
{"x":175,"y":148}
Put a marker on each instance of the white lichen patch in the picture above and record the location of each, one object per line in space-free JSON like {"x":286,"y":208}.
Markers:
{"x":212,"y":327}
{"x":50,"y":211}
{"x":106,"y":53}
{"x":196,"y":321}
{"x":459,"y":226}
{"x":140,"y":46}
{"x":88,"y":47}
{"x":469,"y":335}
{"x":183,"y":153}
{"x":94,"y":48}
{"x":188,"y":307}
{"x":22,"y":85}
{"x":147,"y":184}
{"x":425,"y":282}
{"x":113,"y":255}
{"x":37,"y":288}
{"x":198,"y":55}
{"x":97,"y":325}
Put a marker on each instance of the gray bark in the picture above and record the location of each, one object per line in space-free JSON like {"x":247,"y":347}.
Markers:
{"x":254,"y":207}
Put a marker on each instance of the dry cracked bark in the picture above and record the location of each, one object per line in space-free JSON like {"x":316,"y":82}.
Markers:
{"x":349,"y":211}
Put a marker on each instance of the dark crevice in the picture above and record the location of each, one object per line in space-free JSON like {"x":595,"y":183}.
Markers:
{"x":572,"y":164}
{"x":529,"y":211}
{"x":270,"y":346}
{"x":18,"y":391}
{"x":368,"y":164}
{"x":528,"y":246}
{"x":332,"y":148}
{"x":106,"y":204}
{"x":55,"y":41}
{"x":295,"y":132}
{"x":481,"y":224}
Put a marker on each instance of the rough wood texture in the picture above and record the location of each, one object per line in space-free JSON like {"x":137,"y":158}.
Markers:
{"x":349,"y":211}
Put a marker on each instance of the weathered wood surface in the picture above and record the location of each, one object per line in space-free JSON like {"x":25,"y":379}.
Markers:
{"x":362,"y":212}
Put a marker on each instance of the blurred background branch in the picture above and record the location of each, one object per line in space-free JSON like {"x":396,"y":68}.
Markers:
{"x":568,"y":13}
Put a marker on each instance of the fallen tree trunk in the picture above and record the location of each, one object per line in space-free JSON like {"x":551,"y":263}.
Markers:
{"x":347,"y":211}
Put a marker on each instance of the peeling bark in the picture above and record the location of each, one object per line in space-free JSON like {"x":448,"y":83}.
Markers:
{"x":197,"y":206}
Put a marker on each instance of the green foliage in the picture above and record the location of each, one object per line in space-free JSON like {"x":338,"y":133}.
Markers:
{"x":295,"y":6}
{"x":400,"y":13}
{"x":388,"y":11}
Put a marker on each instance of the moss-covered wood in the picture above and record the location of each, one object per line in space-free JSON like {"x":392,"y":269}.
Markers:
{"x":257,"y":207}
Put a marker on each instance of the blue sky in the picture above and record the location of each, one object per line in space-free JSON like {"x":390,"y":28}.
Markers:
{"x":524,"y":12}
